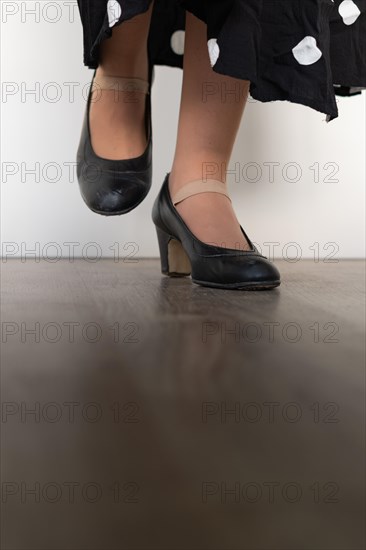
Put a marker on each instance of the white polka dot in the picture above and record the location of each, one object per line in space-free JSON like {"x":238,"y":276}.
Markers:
{"x":177,"y":42}
{"x":349,"y":12}
{"x":307,"y":51}
{"x":213,"y":50}
{"x":114,"y":11}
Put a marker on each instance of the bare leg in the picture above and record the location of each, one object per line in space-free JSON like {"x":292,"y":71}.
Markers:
{"x":206,"y":135}
{"x":117,"y":127}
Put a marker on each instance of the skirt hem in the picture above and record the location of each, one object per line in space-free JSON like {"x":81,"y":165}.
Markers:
{"x":226,"y":45}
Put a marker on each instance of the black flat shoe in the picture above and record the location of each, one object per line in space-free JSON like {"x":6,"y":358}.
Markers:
{"x":114,"y":187}
{"x":183,"y":254}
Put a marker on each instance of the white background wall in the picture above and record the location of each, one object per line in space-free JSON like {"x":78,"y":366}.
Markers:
{"x":39,"y":130}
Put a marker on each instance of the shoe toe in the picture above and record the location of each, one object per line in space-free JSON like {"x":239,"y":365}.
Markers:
{"x":113,"y":193}
{"x":261,"y":270}
{"x":123,"y":198}
{"x":236,"y":271}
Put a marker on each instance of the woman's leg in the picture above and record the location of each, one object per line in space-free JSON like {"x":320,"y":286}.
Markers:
{"x":117,"y":120}
{"x":208,"y":125}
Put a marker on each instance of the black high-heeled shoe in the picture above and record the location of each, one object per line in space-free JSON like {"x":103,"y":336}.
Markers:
{"x":114,"y":187}
{"x":183,"y":254}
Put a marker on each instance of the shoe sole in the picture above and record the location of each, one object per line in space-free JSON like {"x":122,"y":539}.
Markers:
{"x":263,"y":285}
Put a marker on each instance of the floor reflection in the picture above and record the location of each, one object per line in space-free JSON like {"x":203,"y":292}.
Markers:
{"x":147,"y":413}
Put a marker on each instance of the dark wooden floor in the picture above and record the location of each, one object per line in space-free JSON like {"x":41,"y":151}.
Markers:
{"x":172,"y":416}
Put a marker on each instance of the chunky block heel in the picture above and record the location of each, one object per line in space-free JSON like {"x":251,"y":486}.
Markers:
{"x":174,"y":260}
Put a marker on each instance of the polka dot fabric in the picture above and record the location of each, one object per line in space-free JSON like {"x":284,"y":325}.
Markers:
{"x":303,"y":51}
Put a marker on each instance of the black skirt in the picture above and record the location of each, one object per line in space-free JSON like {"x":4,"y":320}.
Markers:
{"x":303,"y":51}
